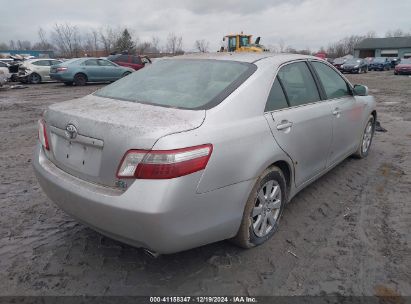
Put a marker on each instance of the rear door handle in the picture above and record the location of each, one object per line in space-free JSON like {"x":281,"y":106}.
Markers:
{"x":284,"y":125}
{"x":336,"y":111}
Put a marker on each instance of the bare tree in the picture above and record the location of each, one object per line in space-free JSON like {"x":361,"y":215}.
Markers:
{"x":281,"y":46}
{"x":108,"y":38}
{"x":67,"y":39}
{"x":43,"y":43}
{"x":174,"y":44}
{"x":12,"y":45}
{"x":23,"y":45}
{"x":3,"y":46}
{"x":371,"y":34}
{"x":155,"y":44}
{"x":397,"y":33}
{"x":202,"y":45}
{"x":91,"y":43}
{"x":143,"y":47}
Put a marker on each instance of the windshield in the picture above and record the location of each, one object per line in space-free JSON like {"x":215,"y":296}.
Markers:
{"x":354,"y":61}
{"x":379,"y":60}
{"x":188,"y":84}
{"x":405,"y":61}
{"x":113,"y":57}
{"x":339,"y":61}
{"x":244,"y":40}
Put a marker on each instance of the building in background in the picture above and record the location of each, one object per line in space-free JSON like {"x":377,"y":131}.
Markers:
{"x":26,"y":53}
{"x":384,"y":47}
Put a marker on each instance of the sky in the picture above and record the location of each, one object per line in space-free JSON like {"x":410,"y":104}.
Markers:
{"x":301,"y":24}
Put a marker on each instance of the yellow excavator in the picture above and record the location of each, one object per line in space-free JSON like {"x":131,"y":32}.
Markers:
{"x":241,"y":43}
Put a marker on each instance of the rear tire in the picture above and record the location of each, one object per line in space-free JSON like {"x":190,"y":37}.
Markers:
{"x":80,"y":79}
{"x":263,"y":209}
{"x":34,"y":78}
{"x":366,"y":139}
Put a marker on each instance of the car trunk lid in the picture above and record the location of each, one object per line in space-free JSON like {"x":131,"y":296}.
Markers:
{"x":90,"y":135}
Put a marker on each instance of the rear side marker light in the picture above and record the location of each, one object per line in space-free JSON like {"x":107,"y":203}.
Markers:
{"x":43,"y":134}
{"x":164,"y":164}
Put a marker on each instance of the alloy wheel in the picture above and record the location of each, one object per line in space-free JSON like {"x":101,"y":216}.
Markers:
{"x":366,"y":140}
{"x":267,"y":208}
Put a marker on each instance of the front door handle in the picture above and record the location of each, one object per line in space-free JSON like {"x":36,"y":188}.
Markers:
{"x":285,"y":124}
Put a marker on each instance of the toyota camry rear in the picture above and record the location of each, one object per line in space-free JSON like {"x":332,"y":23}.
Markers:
{"x":202,"y":148}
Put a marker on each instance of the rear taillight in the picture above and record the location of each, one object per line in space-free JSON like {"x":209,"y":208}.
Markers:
{"x":164,"y":164}
{"x":61,"y":69}
{"x":43,"y":134}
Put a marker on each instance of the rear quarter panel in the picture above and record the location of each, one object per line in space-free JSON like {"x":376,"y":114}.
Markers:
{"x":243,"y":145}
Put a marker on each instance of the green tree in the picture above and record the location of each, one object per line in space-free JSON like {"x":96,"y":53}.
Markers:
{"x":125,"y":43}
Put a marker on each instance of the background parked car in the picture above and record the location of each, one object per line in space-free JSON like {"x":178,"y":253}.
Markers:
{"x":132,"y":61}
{"x":404,"y":67}
{"x":355,"y":65}
{"x":380,"y":64}
{"x":338,"y":62}
{"x":394,"y":61}
{"x":36,"y":70}
{"x":82,"y":70}
{"x":4,"y":71}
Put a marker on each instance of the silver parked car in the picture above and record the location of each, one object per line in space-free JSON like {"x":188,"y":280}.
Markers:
{"x":201,"y":148}
{"x":36,"y":70}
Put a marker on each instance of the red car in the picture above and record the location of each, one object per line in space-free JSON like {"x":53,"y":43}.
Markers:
{"x":404,"y":67}
{"x":132,"y":61}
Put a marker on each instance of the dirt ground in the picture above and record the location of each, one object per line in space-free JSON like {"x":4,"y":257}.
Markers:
{"x":348,"y":233}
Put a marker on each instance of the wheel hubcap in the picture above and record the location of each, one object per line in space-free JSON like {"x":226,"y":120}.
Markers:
{"x":35,"y":78}
{"x":267,"y":208}
{"x":366,"y":140}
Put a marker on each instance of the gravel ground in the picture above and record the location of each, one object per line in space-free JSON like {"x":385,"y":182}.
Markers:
{"x":348,"y":233}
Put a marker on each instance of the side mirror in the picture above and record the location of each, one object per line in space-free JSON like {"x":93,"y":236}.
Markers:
{"x":360,"y":90}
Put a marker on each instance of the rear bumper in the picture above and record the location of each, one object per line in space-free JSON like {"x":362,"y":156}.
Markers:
{"x":61,"y":77}
{"x":351,"y":70}
{"x":165,"y":216}
{"x":403,"y":72}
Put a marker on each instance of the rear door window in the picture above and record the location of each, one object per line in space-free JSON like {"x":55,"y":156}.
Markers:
{"x":122,"y":58}
{"x":53,"y":62}
{"x":103,"y":62}
{"x":276,"y":99}
{"x":91,"y":62}
{"x":298,"y":83}
{"x":42,"y":63}
{"x":334,"y":85}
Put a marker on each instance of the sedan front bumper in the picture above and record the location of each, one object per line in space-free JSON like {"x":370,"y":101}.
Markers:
{"x":165,"y":216}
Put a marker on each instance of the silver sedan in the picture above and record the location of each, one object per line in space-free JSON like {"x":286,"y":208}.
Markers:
{"x":201,"y":148}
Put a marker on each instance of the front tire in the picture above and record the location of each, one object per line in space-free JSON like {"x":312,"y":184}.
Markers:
{"x":366,"y":139}
{"x":263,"y":209}
{"x":34,"y":78}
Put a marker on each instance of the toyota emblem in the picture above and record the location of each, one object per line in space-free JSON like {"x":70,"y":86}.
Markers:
{"x":71,"y":131}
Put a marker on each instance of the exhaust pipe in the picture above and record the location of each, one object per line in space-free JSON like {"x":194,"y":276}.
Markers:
{"x":151,"y":253}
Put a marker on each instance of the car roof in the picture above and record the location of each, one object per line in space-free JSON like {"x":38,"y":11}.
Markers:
{"x":243,"y":57}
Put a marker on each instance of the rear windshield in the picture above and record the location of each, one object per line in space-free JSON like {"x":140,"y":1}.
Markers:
{"x":353,"y":61}
{"x":181,"y":83}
